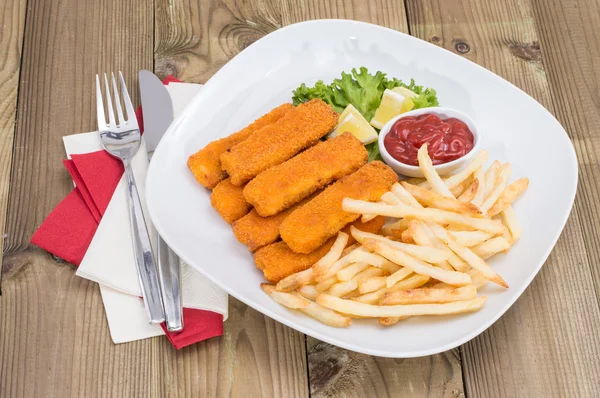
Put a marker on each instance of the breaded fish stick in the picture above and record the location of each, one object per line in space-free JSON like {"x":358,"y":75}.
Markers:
{"x":228,"y":200}
{"x":278,"y":261}
{"x":206,"y":163}
{"x":274,"y":144}
{"x":309,"y":226}
{"x":255,"y":231}
{"x":281,"y":186}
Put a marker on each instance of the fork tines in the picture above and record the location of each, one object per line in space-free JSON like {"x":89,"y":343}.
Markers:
{"x":114,"y":123}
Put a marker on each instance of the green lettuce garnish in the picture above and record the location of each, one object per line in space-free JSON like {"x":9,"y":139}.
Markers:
{"x":364,"y":91}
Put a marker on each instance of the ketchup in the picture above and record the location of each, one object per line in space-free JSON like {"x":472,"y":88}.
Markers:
{"x":446,"y":140}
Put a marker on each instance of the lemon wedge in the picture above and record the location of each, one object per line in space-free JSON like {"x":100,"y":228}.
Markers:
{"x":354,"y":123}
{"x":392,"y":104}
{"x":405,"y":92}
{"x":350,"y":109}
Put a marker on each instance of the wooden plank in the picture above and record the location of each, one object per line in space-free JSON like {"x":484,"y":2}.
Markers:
{"x":573,"y":67}
{"x":13,"y":25}
{"x":54,"y":339}
{"x":524,"y":353}
{"x":209,"y":34}
{"x":337,"y":372}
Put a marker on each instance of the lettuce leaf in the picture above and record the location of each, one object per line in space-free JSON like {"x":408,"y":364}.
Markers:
{"x":364,"y":91}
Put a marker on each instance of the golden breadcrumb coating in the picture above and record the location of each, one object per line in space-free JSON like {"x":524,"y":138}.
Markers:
{"x":228,"y":200}
{"x":274,"y":144}
{"x":309,"y":226}
{"x":282,"y":186}
{"x":206,"y":163}
{"x":278,"y":261}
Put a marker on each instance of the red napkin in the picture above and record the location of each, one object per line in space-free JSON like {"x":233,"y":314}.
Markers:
{"x":69,"y":228}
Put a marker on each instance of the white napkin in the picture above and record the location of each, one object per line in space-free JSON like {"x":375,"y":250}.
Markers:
{"x":109,"y":259}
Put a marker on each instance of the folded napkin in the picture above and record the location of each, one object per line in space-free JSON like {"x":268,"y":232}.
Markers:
{"x":90,"y":228}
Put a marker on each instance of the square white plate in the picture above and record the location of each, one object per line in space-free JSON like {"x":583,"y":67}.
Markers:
{"x":514,"y":128}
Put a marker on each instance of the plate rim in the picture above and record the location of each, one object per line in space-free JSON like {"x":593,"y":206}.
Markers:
{"x":574,"y":171}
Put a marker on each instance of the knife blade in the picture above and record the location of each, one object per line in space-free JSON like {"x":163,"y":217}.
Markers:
{"x":157,"y":109}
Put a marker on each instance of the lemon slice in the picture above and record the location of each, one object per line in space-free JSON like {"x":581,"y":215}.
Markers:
{"x":405,"y":92}
{"x":358,"y":127}
{"x":392,"y":104}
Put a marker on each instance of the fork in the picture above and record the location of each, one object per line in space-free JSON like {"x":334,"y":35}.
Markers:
{"x":121,"y":138}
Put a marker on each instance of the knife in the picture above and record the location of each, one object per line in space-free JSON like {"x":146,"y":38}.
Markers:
{"x":157,"y":109}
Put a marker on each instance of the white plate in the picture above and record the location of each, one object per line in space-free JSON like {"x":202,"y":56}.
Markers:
{"x":514,"y":128}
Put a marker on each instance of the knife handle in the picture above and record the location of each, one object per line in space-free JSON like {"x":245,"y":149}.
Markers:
{"x":169,"y":271}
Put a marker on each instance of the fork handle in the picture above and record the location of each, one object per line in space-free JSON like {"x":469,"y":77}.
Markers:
{"x":169,"y":271}
{"x":142,"y":249}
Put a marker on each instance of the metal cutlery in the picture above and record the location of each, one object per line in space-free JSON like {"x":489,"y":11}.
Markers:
{"x":158,"y":115}
{"x":121,"y":138}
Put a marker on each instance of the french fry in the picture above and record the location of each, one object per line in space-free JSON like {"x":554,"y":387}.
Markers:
{"x":500,"y":184}
{"x":326,"y":284}
{"x":510,"y":193}
{"x":420,"y":236}
{"x":420,"y":267}
{"x":470,"y":238}
{"x":396,"y":228}
{"x":388,"y":198}
{"x":491,"y":247}
{"x":391,"y":320}
{"x":406,"y":237}
{"x":341,"y":263}
{"x":433,"y":199}
{"x":456,"y":262}
{"x":480,"y":193}
{"x":308,"y":291}
{"x":294,"y":281}
{"x":459,"y":177}
{"x":430,"y":174}
{"x":462,"y":187}
{"x":286,"y":299}
{"x":321,"y":266}
{"x":429,"y":214}
{"x":469,"y":194}
{"x":345,"y":274}
{"x":352,"y":307}
{"x":375,"y":260}
{"x":429,"y":296}
{"x":490,"y":177}
{"x":411,"y":282}
{"x":326,"y":316}
{"x":429,"y":254}
{"x":512,"y":223}
{"x":342,"y":288}
{"x":471,"y":258}
{"x":478,"y":280}
{"x":405,"y":196}
{"x":372,"y":284}
{"x":415,"y":181}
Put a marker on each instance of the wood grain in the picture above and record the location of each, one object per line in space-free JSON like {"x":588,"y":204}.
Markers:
{"x":525,"y":353}
{"x":210,"y":33}
{"x":569,"y":29}
{"x":335,"y":372}
{"x":54,"y":339}
{"x":12,"y":16}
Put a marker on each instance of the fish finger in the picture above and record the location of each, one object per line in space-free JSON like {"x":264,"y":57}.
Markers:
{"x":281,"y":186}
{"x":228,"y":200}
{"x":206,"y":163}
{"x":299,"y":128}
{"x":278,"y":261}
{"x":309,"y":226}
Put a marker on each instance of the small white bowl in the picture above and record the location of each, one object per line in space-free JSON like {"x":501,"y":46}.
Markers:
{"x":442,"y":169}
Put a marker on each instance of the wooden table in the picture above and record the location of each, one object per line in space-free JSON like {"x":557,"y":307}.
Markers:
{"x":54,"y":339}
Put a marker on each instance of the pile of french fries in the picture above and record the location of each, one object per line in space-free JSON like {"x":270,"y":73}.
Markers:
{"x":430,"y":260}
